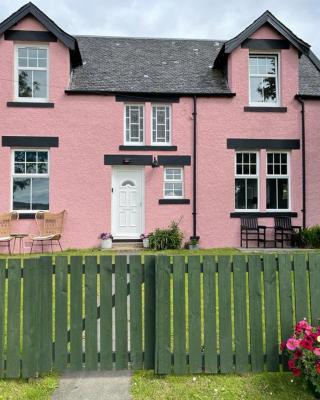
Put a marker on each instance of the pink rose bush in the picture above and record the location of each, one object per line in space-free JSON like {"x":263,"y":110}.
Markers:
{"x":303,"y":350}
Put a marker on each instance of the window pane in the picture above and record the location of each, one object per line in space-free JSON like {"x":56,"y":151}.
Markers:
{"x":246,"y":157}
{"x":271,"y":194}
{"x":253,"y":158}
{"x":276,"y":169}
{"x":239,"y":158}
{"x":42,"y":53}
{"x":283,"y":169}
{"x":253,"y":169}
{"x":21,"y":193}
{"x":42,"y":168}
{"x":40,"y":84}
{"x":22,"y":62}
{"x":239,"y":169}
{"x":283,"y":158}
{"x":32,"y":52}
{"x":31,"y":156}
{"x":246,"y":169}
{"x":256,"y":89}
{"x":269,"y":90}
{"x":25,"y":83}
{"x":270,"y":65}
{"x":40,"y":194}
{"x":270,"y":158}
{"x":252,"y":193}
{"x":19,"y":168}
{"x":31,"y":168}
{"x":283,"y":195}
{"x":270,"y":170}
{"x":276,"y":157}
{"x":19,"y":156}
{"x":42,"y":156}
{"x":22,"y":52}
{"x":240,"y":197}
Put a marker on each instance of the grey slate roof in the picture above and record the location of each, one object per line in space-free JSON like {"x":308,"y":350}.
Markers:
{"x":181,"y":66}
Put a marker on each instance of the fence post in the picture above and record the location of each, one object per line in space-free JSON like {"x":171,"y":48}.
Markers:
{"x":149,"y":311}
{"x":2,"y":312}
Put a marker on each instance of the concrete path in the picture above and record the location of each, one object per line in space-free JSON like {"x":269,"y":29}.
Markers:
{"x":111,"y":385}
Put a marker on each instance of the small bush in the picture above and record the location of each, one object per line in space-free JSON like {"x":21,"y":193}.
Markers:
{"x":165,"y":239}
{"x":308,"y":237}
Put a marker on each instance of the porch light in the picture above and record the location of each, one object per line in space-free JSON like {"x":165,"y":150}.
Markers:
{"x":155,"y":163}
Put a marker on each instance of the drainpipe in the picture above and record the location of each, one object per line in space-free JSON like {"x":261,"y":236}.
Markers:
{"x":303,"y":148}
{"x":194,"y":157}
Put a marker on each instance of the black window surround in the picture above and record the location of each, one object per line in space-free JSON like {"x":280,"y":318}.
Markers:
{"x":30,"y":141}
{"x":174,"y":201}
{"x":271,"y":214}
{"x":265,"y":44}
{"x":265,"y":109}
{"x":127,"y":159}
{"x":148,"y":148}
{"x":174,"y":160}
{"x":148,"y":97}
{"x":30,"y":36}
{"x":29,"y":104}
{"x":270,"y":144}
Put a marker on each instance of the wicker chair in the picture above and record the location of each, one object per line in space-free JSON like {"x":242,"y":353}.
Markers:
{"x":50,"y":226}
{"x":6,"y":228}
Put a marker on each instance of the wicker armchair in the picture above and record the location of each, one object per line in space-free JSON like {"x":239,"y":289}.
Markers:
{"x":50,"y":226}
{"x":6,"y":220}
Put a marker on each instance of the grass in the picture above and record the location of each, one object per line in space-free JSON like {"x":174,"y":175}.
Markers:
{"x":146,"y":385}
{"x":21,"y":389}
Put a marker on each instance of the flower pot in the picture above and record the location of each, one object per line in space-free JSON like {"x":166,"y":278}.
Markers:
{"x":194,"y":246}
{"x":145,"y":243}
{"x":106,"y":244}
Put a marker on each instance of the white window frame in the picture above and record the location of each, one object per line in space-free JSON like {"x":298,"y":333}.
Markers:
{"x":280,"y":176}
{"x":15,"y":175}
{"x":277,"y":76}
{"x":165,"y":180}
{"x":155,"y":143}
{"x":16,"y":73}
{"x":129,"y":143}
{"x":248,"y":176}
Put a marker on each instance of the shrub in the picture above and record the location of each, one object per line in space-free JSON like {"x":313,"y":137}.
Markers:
{"x":165,"y":239}
{"x":308,"y":237}
{"x":303,"y":350}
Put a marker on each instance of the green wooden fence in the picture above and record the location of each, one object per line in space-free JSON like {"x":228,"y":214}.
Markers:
{"x":173,"y":315}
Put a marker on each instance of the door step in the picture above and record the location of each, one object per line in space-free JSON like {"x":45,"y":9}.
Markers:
{"x":127,"y":244}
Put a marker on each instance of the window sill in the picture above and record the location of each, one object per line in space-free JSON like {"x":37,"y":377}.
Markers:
{"x":265,"y":109}
{"x":29,"y":104}
{"x":147,"y":148}
{"x":264,"y":214}
{"x":174,"y":201}
{"x":27,"y":215}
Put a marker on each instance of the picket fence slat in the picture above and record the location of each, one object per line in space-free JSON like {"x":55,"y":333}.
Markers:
{"x":210,"y":325}
{"x":286,"y":308}
{"x":121,"y":324}
{"x":149,"y":311}
{"x":91,"y":348}
{"x":136,"y":312}
{"x":13,"y":324}
{"x":45,"y":314}
{"x":179,"y":315}
{"x":300,"y":286}
{"x":195,"y":359}
{"x":2,"y":313}
{"x":61,"y":314}
{"x":240,"y":313}
{"x":76,"y":299}
{"x":225,"y":324}
{"x":30,"y":351}
{"x":163,"y":351}
{"x":271,"y":316}
{"x":314,"y":277}
{"x":106,"y":319}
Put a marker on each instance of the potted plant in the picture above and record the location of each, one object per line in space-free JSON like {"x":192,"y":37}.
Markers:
{"x":193,"y":244}
{"x":303,"y":351}
{"x":145,"y":240}
{"x":106,"y":240}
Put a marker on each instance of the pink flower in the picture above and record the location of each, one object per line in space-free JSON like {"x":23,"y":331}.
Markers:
{"x":283,"y":346}
{"x":303,"y":326}
{"x":296,"y":371}
{"x":291,"y":364}
{"x":318,"y":368}
{"x":316,"y":351}
{"x":292,"y":344}
{"x":297,"y":354}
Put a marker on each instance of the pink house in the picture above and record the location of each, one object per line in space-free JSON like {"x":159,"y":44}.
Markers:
{"x":128,"y":134}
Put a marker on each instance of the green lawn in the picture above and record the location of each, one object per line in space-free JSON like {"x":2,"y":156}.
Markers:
{"x":20,"y":389}
{"x":145,"y":385}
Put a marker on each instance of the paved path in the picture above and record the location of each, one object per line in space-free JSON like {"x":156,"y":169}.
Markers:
{"x":111,"y":385}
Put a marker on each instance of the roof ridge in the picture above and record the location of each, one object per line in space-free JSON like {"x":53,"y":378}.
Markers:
{"x":149,"y":38}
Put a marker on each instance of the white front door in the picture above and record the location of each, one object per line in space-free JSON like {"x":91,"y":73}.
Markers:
{"x":127,"y":202}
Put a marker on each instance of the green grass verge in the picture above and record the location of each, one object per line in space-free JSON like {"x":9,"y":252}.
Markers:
{"x":146,"y":385}
{"x":21,"y":389}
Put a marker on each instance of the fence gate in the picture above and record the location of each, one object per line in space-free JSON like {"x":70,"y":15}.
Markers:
{"x":173,"y":315}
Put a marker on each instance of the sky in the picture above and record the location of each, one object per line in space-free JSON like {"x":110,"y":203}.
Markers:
{"x":200,"y":19}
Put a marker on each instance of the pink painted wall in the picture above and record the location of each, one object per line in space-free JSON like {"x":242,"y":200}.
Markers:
{"x":91,"y":126}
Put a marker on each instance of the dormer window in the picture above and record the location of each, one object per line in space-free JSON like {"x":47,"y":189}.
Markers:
{"x":31,"y":75}
{"x":263,"y":80}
